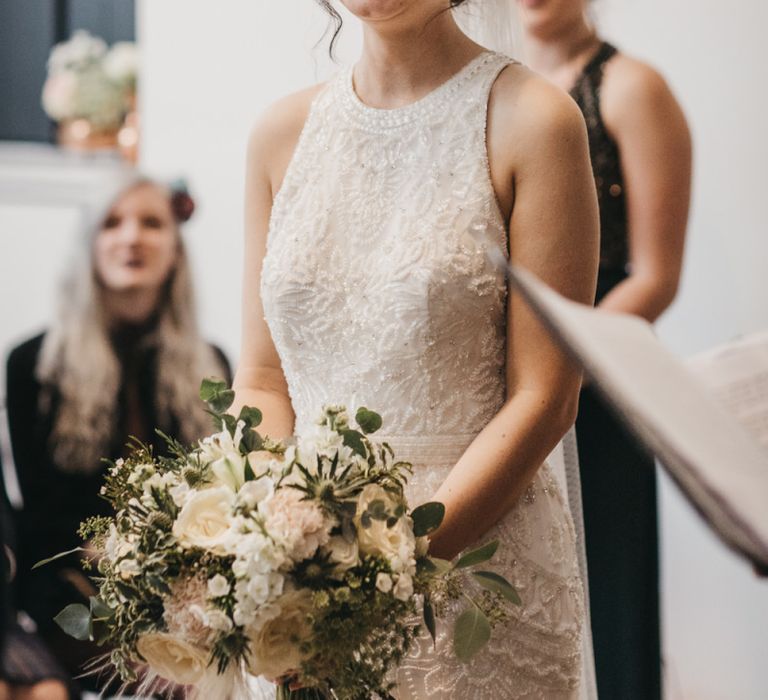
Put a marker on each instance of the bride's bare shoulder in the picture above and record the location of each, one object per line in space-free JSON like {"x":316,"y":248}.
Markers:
{"x":275,"y":133}
{"x":529,"y":115}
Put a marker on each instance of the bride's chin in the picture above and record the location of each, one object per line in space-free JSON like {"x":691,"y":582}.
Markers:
{"x":380,"y":10}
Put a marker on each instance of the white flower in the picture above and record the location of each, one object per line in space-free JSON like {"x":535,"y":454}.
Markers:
{"x":384,"y":582}
{"x":82,"y":50}
{"x":252,"y":493}
{"x":404,"y":587}
{"x":397,"y":543}
{"x":173,"y":658}
{"x":344,"y":554}
{"x":321,"y":440}
{"x":122,"y":62}
{"x":111,"y":543}
{"x":206,"y":521}
{"x":218,"y":586}
{"x":274,"y":648}
{"x":180,"y":493}
{"x":222,"y":452}
{"x":129,"y":568}
{"x":60,"y":95}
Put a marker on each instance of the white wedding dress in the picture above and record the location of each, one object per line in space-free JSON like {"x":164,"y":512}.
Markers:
{"x":378,"y":291}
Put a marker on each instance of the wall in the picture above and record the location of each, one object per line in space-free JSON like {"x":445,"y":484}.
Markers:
{"x":715,"y":57}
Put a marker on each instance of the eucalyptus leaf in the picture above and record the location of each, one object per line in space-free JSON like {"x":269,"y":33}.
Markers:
{"x":470,"y":633}
{"x":369,"y":421}
{"x":354,"y":440}
{"x":216,"y":394}
{"x":75,"y":620}
{"x":442,"y":566}
{"x":427,"y":518}
{"x":250,"y":416}
{"x":478,"y":556}
{"x":497,"y":584}
{"x":43,"y":562}
{"x":251,"y":441}
{"x":210,"y":386}
{"x":229,"y":423}
{"x":99,"y":609}
{"x":429,"y":620}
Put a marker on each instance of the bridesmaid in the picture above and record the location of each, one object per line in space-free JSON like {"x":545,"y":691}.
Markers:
{"x":641,"y":157}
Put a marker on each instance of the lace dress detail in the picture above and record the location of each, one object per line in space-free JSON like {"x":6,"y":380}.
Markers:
{"x":378,"y":291}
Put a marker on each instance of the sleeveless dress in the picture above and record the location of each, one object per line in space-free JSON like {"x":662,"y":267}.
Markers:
{"x":618,"y":478}
{"x":379,"y":291}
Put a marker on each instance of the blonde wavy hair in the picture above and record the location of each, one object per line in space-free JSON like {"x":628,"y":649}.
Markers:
{"x":78,"y":365}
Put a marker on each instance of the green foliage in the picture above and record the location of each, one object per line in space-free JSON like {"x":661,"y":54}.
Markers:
{"x":216,"y":394}
{"x":427,"y":518}
{"x":75,"y":620}
{"x":369,"y":421}
{"x":470,"y":633}
{"x":478,"y":556}
{"x":497,"y":584}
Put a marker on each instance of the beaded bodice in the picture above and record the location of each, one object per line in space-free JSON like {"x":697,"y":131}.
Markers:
{"x":377,"y":286}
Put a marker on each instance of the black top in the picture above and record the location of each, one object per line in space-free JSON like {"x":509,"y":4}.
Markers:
{"x":55,"y":502}
{"x":606,"y":166}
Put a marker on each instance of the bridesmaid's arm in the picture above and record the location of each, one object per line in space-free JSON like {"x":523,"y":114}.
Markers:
{"x":651,"y":132}
{"x":553,"y":231}
{"x":259,"y":380}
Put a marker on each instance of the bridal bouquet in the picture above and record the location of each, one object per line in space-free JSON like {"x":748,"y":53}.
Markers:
{"x":298,"y":561}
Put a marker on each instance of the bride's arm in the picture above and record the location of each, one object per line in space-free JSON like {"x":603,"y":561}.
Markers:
{"x":553,"y":231}
{"x":259,"y":379}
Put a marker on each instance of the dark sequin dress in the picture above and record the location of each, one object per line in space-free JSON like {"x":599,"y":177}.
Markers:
{"x":618,"y":479}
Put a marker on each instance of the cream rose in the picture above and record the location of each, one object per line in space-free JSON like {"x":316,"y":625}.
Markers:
{"x":205,"y":521}
{"x":396,"y":543}
{"x":274,"y":647}
{"x":344,"y":554}
{"x":173,"y":658}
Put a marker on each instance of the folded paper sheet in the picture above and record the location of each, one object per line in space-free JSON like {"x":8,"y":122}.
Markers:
{"x":719,"y":465}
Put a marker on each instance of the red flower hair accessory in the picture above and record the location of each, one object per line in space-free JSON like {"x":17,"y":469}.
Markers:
{"x":182,"y":204}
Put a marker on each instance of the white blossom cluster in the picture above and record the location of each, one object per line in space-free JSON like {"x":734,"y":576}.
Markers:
{"x":88,"y":80}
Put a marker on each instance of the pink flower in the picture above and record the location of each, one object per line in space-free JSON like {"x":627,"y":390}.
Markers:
{"x":299,"y":526}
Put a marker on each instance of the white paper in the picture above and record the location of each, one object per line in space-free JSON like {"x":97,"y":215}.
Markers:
{"x":736,"y":374}
{"x":718,"y":465}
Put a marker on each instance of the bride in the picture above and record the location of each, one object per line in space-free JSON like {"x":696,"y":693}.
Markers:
{"x":374,"y":204}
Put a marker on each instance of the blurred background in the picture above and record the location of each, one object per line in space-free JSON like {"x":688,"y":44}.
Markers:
{"x":205,"y":72}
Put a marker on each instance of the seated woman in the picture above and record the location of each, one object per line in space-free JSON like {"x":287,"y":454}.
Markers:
{"x":123,"y":356}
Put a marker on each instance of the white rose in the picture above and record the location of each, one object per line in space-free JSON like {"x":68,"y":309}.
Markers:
{"x":384,"y":582}
{"x":274,"y":647}
{"x":396,"y":543}
{"x":404,"y":587}
{"x":205,"y":521}
{"x":344,"y":554}
{"x":218,"y":586}
{"x":173,"y":659}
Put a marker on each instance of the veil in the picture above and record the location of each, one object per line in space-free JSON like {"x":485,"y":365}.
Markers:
{"x":493,"y":24}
